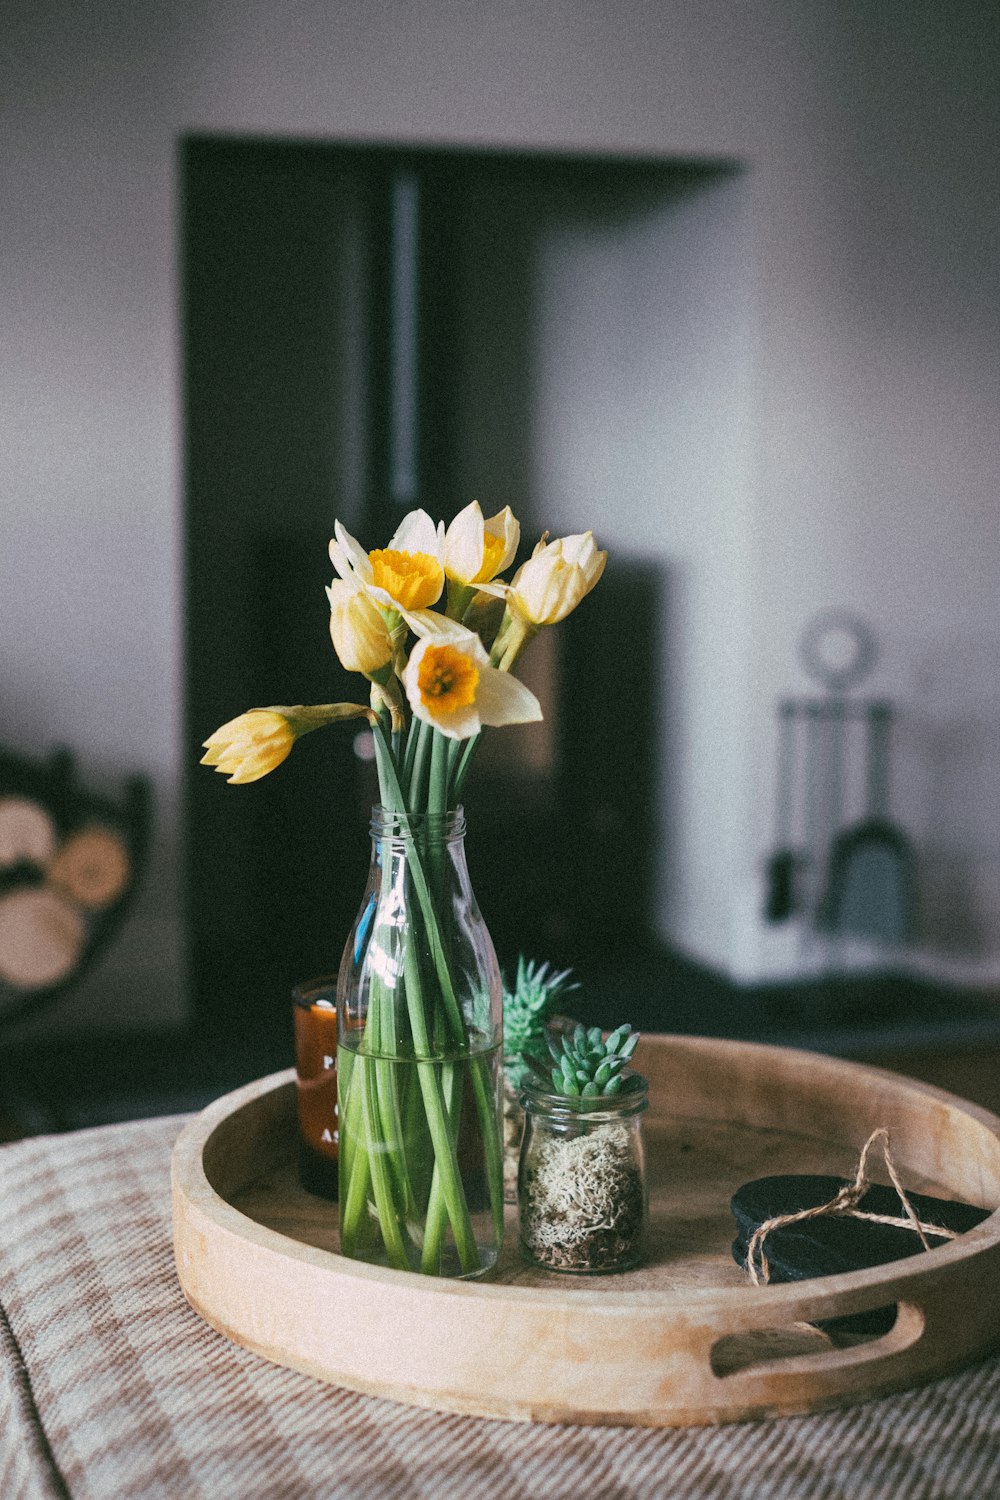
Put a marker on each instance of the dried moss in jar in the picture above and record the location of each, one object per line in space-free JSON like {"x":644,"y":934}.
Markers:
{"x":581,"y":1180}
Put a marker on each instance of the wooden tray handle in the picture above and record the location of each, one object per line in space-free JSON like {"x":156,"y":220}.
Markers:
{"x":728,"y":1363}
{"x":929,"y":1321}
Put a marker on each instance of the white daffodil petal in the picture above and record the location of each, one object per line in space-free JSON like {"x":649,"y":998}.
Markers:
{"x":460,"y":724}
{"x":477,"y":550}
{"x":576,"y":548}
{"x":505,"y":524}
{"x":555,"y":578}
{"x":348,"y":556}
{"x":358,"y":630}
{"x":417,"y":533}
{"x":498,"y":589}
{"x":463,"y":544}
{"x":430,"y":625}
{"x":503,"y":699}
{"x":442,"y":679}
{"x":341,"y":561}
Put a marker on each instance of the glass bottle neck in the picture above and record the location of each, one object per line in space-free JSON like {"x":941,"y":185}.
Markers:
{"x":424,"y":828}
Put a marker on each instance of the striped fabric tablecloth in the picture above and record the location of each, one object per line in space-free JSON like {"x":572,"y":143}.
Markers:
{"x":111,"y":1388}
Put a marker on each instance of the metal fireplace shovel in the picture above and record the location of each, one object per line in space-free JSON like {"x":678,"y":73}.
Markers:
{"x":871,"y":883}
{"x":782,"y":864}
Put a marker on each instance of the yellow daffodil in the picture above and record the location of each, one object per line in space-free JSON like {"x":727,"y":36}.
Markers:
{"x":451,"y":686}
{"x":476,"y":550}
{"x":407,"y":576}
{"x":254,"y":743}
{"x":360,"y":635}
{"x":555,"y":578}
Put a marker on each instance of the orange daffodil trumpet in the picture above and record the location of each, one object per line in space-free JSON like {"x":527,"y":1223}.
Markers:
{"x":451,"y":686}
{"x":254,"y":743}
{"x":405,"y":578}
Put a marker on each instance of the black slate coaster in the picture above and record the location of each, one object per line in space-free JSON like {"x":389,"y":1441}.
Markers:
{"x":833,"y":1244}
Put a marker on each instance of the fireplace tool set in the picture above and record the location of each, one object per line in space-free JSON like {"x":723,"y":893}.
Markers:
{"x":838,"y":857}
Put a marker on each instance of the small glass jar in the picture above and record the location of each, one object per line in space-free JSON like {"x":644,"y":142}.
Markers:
{"x":314,"y":1013}
{"x":582,"y":1196}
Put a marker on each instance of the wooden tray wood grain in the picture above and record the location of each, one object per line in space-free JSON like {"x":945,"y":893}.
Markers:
{"x":683,"y":1340}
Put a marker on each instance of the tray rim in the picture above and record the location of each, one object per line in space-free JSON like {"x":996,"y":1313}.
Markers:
{"x":548,"y":1353}
{"x":187,"y":1158}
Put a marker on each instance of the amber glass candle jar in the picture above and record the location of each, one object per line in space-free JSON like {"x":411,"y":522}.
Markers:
{"x":314,"y":1012}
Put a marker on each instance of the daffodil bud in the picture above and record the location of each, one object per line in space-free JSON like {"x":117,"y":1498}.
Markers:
{"x":254,"y":743}
{"x":555,"y":578}
{"x":250,"y":746}
{"x":360,"y":635}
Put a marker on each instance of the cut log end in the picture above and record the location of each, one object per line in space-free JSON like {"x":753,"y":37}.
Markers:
{"x":42,"y":938}
{"x":92,"y":868}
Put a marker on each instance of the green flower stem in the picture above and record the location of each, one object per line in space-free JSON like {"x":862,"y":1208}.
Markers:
{"x":412,"y":738}
{"x":453,"y":1010}
{"x":432,"y":757}
{"x":460,"y":596}
{"x":381,"y":1186}
{"x":380,"y":771}
{"x":355,"y":1163}
{"x":437,"y":807}
{"x":438,"y":1120}
{"x":494,"y":1166}
{"x":437,"y":1210}
{"x":441,"y":768}
{"x":437,"y":794}
{"x":492,"y":1145}
{"x":416,"y":797}
{"x":461,"y":768}
{"x":387,"y":1093}
{"x":434,"y":1103}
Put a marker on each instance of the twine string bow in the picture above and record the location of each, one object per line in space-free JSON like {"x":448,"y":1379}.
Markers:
{"x":845,"y":1204}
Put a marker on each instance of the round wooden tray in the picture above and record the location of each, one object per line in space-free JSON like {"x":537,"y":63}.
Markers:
{"x":683,"y":1340}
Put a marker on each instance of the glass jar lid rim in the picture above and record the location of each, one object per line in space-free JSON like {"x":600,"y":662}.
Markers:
{"x":629,"y":1100}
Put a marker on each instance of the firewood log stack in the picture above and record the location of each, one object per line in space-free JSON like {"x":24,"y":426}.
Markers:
{"x":53,"y":885}
{"x":68,"y":861}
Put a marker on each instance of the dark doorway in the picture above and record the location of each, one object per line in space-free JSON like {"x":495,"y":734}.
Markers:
{"x":358,"y":340}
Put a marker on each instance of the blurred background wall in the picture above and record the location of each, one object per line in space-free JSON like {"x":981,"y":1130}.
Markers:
{"x":826,"y":435}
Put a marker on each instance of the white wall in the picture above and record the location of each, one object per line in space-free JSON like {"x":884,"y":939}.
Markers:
{"x":643,"y":422}
{"x":865,"y":475}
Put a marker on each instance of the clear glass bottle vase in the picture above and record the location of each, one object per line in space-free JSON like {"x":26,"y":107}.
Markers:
{"x":419,"y":1027}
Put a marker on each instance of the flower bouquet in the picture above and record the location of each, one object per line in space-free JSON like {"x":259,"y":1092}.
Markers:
{"x":419,"y":990}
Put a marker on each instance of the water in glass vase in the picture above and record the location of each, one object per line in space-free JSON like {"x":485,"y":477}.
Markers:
{"x":420,"y":1199}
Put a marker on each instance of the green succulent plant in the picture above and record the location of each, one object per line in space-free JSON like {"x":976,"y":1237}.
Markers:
{"x":528,"y":1005}
{"x":588,"y":1067}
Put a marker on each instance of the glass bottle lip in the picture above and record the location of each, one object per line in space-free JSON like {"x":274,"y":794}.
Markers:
{"x":598,"y":1108}
{"x":387,"y":823}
